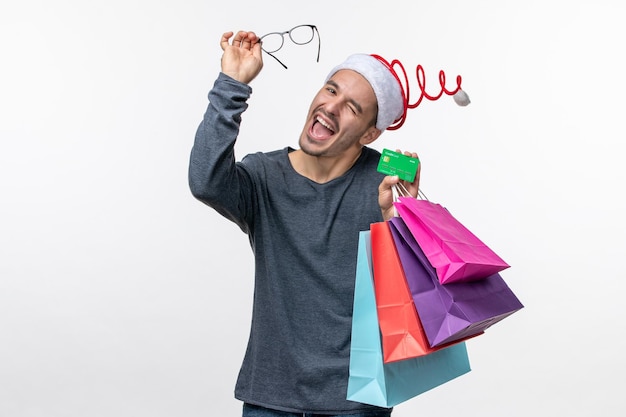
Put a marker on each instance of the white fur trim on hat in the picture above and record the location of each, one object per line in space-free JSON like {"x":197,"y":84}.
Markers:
{"x":385,"y":85}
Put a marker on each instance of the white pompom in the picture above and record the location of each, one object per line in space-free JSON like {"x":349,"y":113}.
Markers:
{"x":461,"y":98}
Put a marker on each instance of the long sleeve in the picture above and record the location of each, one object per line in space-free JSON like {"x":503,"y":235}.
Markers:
{"x":214,"y":177}
{"x":304,"y":238}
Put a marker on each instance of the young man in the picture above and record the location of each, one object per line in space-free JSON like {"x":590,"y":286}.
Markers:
{"x":302,"y":210}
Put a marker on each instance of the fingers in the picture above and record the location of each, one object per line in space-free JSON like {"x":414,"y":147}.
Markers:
{"x":386,"y":197}
{"x":224,"y":41}
{"x":388,"y":182}
{"x":413,"y":187}
{"x":243,"y":39}
{"x":248,"y":40}
{"x":407,"y":153}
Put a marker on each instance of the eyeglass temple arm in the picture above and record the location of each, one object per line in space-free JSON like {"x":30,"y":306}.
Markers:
{"x":319,"y":42}
{"x":279,"y":61}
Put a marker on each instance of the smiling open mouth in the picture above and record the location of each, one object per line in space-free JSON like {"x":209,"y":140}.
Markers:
{"x":320,"y":130}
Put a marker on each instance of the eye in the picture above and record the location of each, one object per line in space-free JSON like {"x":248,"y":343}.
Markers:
{"x":331,"y":90}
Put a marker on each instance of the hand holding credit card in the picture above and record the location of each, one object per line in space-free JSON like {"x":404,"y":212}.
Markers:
{"x":395,"y":163}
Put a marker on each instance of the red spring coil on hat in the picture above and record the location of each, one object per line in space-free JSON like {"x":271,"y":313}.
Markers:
{"x":421,"y":82}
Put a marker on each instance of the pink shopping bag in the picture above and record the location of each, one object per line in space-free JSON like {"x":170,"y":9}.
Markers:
{"x":453,"y":250}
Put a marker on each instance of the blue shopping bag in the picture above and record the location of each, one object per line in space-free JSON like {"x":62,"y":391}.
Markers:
{"x":385,"y":385}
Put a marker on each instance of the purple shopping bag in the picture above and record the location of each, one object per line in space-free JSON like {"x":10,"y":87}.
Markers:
{"x":453,"y":250}
{"x":455,"y":311}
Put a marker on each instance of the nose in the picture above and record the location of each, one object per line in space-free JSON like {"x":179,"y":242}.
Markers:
{"x":332,"y":105}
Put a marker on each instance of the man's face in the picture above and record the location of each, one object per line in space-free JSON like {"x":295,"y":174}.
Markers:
{"x":341,"y":117}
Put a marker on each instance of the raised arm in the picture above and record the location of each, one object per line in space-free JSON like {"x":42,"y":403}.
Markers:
{"x":214,"y":177}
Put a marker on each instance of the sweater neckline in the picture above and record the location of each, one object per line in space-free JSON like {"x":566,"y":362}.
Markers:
{"x":288,"y":149}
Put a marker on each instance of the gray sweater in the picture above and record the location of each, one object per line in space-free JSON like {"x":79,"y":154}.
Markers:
{"x":304,"y":236}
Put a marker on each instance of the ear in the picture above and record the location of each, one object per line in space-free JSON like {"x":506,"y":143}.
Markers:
{"x":370,"y":135}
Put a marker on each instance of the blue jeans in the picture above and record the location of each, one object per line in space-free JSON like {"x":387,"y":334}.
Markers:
{"x":250,"y":410}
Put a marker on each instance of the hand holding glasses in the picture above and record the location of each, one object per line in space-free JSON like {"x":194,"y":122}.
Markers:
{"x":300,"y":35}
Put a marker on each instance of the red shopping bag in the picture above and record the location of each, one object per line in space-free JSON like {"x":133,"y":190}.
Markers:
{"x":402,"y":333}
{"x":453,"y":250}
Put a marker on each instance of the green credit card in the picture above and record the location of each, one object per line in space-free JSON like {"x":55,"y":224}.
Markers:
{"x":395,"y":163}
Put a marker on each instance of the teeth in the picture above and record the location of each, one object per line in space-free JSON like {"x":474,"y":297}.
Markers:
{"x":323,"y":123}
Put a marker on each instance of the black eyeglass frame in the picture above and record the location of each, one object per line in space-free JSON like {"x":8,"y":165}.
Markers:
{"x":288,"y":32}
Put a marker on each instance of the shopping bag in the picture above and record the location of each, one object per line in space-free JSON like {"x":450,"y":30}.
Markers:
{"x":453,"y":250}
{"x":370,"y":380}
{"x":402,"y":334}
{"x":450,"y":312}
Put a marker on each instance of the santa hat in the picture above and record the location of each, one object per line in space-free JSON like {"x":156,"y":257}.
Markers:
{"x":391,"y":94}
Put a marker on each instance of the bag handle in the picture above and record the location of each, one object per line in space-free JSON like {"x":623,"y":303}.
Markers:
{"x":399,"y":190}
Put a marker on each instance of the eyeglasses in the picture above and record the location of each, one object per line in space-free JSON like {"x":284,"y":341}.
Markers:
{"x":300,"y":35}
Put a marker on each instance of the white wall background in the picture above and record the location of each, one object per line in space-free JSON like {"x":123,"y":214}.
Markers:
{"x":120,"y":295}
